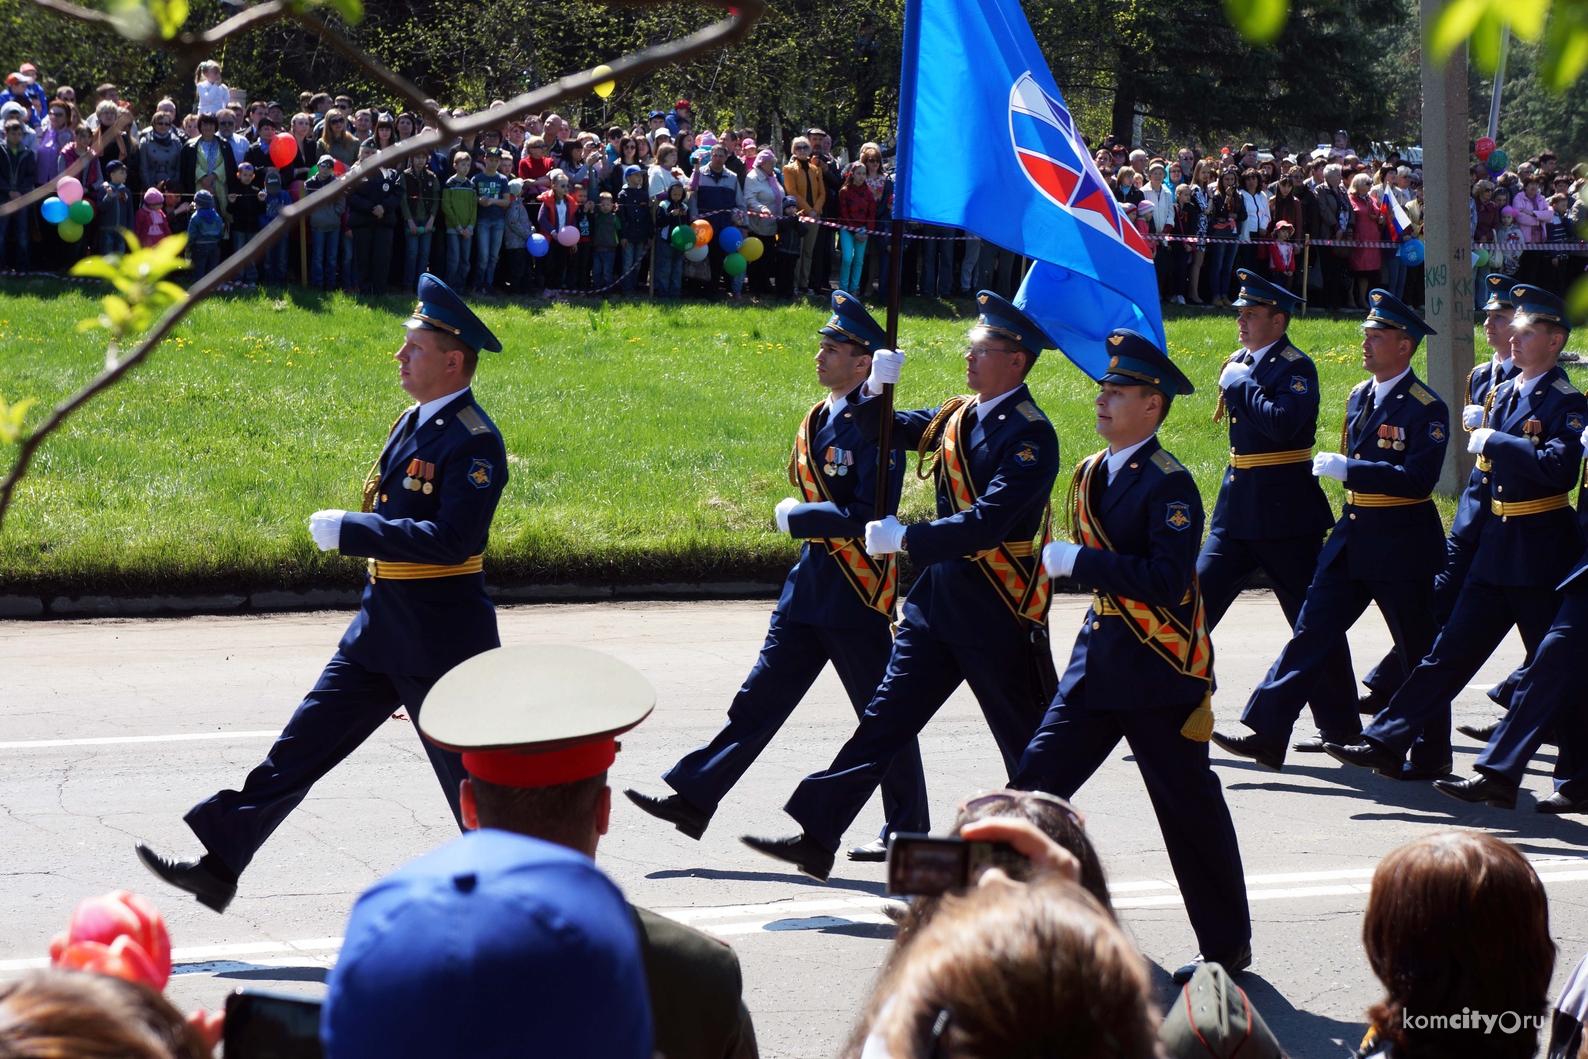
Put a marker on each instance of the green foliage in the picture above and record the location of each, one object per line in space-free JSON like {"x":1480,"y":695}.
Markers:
{"x":1258,"y":21}
{"x":11,"y":416}
{"x":144,"y":294}
{"x":1561,"y":26}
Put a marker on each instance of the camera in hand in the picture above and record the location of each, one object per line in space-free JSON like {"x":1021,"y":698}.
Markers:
{"x":272,"y":1026}
{"x":927,"y":866}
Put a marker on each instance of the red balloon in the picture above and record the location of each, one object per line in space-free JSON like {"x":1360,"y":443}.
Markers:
{"x":1484,"y":148}
{"x":283,"y":149}
{"x":338,"y":168}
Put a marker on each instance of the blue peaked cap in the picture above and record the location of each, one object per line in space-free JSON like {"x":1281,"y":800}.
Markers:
{"x":440,"y":309}
{"x":1135,"y":360}
{"x":1255,"y":290}
{"x":851,"y":323}
{"x":1536,"y":301}
{"x":1386,"y":310}
{"x":495,"y":946}
{"x":1002,"y":318}
{"x":1499,"y":285}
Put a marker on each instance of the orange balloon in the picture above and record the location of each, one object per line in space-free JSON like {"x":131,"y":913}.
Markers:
{"x":703,"y":232}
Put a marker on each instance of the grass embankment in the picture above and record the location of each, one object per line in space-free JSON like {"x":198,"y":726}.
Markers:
{"x":647,"y":442}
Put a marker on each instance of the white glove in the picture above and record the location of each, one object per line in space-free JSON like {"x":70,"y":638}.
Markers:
{"x":326,"y":529}
{"x":884,"y":537}
{"x":1472,"y":416}
{"x":1329,"y":465}
{"x":1476,"y":440}
{"x":886,"y":364}
{"x":780,"y":512}
{"x":1058,"y":558}
{"x":1584,"y":439}
{"x":1233,"y":373}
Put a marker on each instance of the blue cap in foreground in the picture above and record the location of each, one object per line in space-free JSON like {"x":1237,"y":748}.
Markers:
{"x":1539,"y":303}
{"x":1255,"y":290}
{"x":1135,"y":360}
{"x":1002,"y":318}
{"x":440,"y":309}
{"x":1389,"y":311}
{"x":851,"y":322}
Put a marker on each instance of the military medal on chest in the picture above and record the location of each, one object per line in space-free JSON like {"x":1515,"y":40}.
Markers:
{"x":837,"y":461}
{"x":1533,"y":430}
{"x":420,"y":477}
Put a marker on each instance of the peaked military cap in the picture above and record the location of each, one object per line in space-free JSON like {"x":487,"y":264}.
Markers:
{"x":1004,"y":319}
{"x":1499,"y":291}
{"x":536,"y":715}
{"x":1536,"y":301}
{"x":1389,"y":311}
{"x":1136,"y":360}
{"x":1213,"y":1019}
{"x":440,"y":309}
{"x":851,"y":323}
{"x":1255,"y":290}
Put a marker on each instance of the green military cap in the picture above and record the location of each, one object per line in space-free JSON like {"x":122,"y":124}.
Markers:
{"x":1213,"y":1019}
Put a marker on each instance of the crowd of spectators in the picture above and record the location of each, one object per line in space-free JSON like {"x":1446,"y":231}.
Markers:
{"x":538,"y":205}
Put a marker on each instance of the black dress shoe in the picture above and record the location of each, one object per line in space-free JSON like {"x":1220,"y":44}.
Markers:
{"x":1266,"y":752}
{"x":1235,"y":964}
{"x":798,"y":850}
{"x":202,"y":880}
{"x":1480,"y":787}
{"x":875,"y":850}
{"x":674,"y":809}
{"x":1371,"y":704}
{"x":1558,"y":803}
{"x":1411,"y":770}
{"x":1481,"y":732}
{"x":1308,"y":746}
{"x":1367,"y":756}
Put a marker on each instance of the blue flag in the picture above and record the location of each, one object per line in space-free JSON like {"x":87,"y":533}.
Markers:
{"x":1035,"y":190}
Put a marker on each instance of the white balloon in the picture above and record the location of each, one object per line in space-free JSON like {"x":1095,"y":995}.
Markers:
{"x":697,"y":253}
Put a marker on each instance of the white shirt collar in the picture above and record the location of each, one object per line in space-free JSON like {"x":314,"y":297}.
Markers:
{"x":836,"y":405}
{"x":1381,"y":390}
{"x":985,"y":405}
{"x":430,"y":408}
{"x":1116,"y":460}
{"x":1258,"y":355}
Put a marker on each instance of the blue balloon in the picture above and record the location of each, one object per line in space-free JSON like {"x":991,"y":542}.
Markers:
{"x":538,"y":245}
{"x":730,"y":239}
{"x":54,"y":210}
{"x":1411,"y":252}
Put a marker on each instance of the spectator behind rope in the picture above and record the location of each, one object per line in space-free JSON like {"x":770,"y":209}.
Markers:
{"x":81,"y":1015}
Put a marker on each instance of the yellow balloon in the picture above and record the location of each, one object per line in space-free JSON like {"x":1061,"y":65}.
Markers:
{"x":751,"y":248}
{"x":605,"y":88}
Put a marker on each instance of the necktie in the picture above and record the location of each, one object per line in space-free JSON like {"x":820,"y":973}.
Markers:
{"x":1364,"y":412}
{"x":407,"y":429}
{"x":971,"y":420}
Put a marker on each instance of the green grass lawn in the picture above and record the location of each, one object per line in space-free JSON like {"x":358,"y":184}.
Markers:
{"x":646,"y":442}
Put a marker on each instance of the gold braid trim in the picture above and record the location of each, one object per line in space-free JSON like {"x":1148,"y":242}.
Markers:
{"x":932,"y":436}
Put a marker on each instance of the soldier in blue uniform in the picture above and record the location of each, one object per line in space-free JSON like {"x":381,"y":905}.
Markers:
{"x":1531,"y":441}
{"x":1473,"y":506}
{"x":836,"y":602}
{"x":978,"y":612}
{"x":428,"y":505}
{"x":1271,"y":513}
{"x":1387,"y":546}
{"x":1142,"y":666}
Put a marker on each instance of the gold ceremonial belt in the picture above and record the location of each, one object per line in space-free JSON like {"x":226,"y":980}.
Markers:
{"x":421,"y":571}
{"x":1104,"y":605}
{"x":1269,"y":459}
{"x":1382,"y":500}
{"x":1484,"y":465}
{"x":1018,"y":549}
{"x":1531,"y":507}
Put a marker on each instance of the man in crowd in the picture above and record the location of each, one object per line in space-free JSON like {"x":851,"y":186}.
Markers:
{"x":1271,"y":513}
{"x":1142,"y":666}
{"x":827,"y":236}
{"x":719,"y":199}
{"x":836,"y":603}
{"x":18,"y":166}
{"x":978,"y":613}
{"x":1531,"y":440}
{"x":428,"y":505}
{"x":1388,"y":544}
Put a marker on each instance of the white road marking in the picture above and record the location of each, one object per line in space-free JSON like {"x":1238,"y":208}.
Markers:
{"x":115,"y":740}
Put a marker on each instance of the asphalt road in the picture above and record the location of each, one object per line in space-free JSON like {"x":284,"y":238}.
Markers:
{"x":110,"y":730}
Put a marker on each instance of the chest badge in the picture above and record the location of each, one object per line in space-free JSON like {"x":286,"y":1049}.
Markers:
{"x":1178,"y":515}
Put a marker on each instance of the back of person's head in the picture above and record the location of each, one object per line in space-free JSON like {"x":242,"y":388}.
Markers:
{"x":565,"y":813}
{"x":80,"y":1015}
{"x":1458,"y":922}
{"x":1015,"y":970}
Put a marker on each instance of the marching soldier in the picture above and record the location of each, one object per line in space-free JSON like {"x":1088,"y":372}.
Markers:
{"x":1387,"y":546}
{"x":1142,"y":666}
{"x":836,"y":602}
{"x":978,"y":612}
{"x":1473,"y":506}
{"x":1531,"y":444}
{"x":428,"y":505}
{"x":1271,"y":513}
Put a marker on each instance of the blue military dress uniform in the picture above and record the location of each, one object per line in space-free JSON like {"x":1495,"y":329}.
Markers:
{"x":1388,"y":544}
{"x":1526,"y":547}
{"x":431,"y":498}
{"x":956,"y":626}
{"x":1471,"y":508}
{"x":820,"y":616}
{"x":1271,"y":514}
{"x":1118,"y":686}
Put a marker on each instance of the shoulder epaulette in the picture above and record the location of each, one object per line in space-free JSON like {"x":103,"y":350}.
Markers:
{"x":1031,"y":412}
{"x":1422,"y":395}
{"x":1291,"y":353}
{"x":1564,"y":385}
{"x":471,"y":419}
{"x":1360,"y":386}
{"x":1166,"y":463}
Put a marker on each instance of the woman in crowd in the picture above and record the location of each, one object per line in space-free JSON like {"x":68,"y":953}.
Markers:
{"x":763,"y":201}
{"x":880,"y":183}
{"x":1533,"y":212}
{"x":160,"y":153}
{"x":336,"y":140}
{"x":1367,"y":222}
{"x":856,"y":211}
{"x":1201,"y":197}
{"x":1252,"y":216}
{"x":71,"y":1014}
{"x":385,"y":133}
{"x":661,"y":176}
{"x":1224,"y":203}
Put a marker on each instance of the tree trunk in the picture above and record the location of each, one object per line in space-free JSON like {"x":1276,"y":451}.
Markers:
{"x":1122,"y":121}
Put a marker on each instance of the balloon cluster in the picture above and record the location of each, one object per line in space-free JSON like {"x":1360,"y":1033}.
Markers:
{"x":1493,"y":157}
{"x":694,"y":242}
{"x":67,"y":209}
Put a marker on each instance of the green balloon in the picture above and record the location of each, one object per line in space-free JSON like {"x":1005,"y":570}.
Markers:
{"x":734,"y":264}
{"x":683,"y":237}
{"x":81,"y":211}
{"x":69,"y":231}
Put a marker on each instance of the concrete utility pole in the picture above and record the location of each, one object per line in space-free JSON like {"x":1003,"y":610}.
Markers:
{"x":1447,"y":264}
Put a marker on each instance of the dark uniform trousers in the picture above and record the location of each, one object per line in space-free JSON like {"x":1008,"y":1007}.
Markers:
{"x":1391,"y":671}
